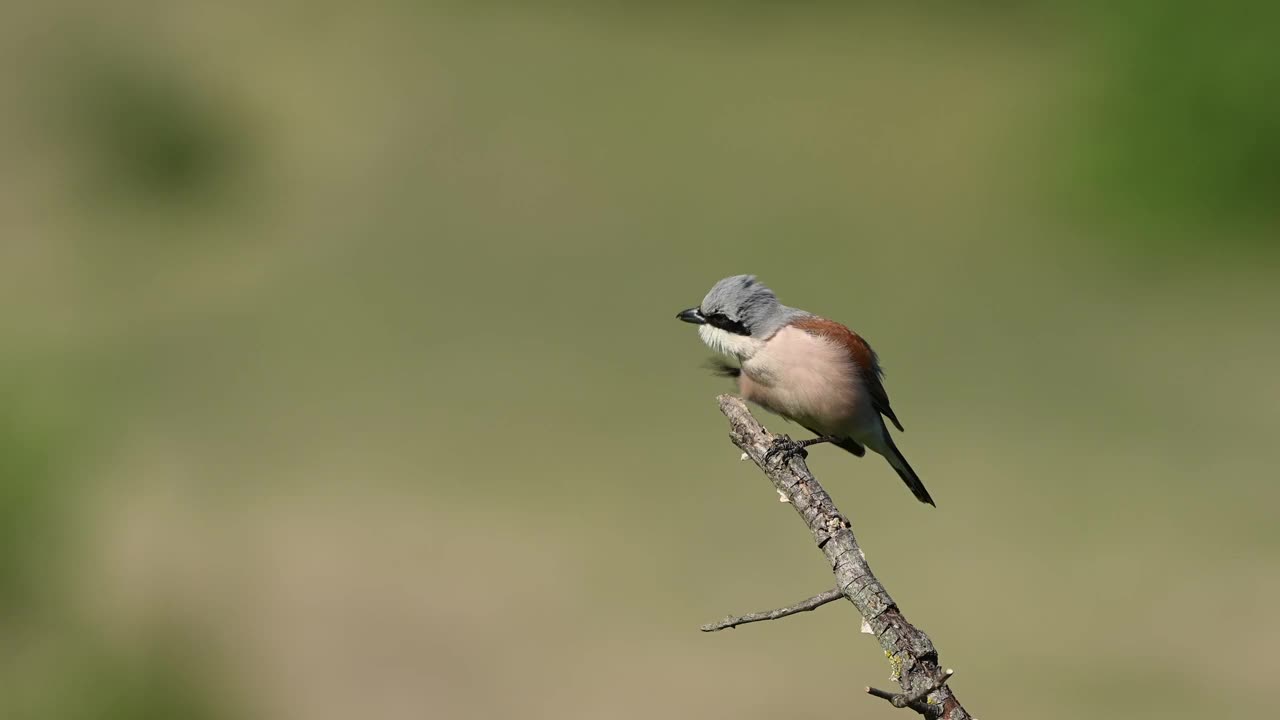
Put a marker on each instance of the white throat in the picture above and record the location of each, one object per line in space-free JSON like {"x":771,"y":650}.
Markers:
{"x":741,"y":347}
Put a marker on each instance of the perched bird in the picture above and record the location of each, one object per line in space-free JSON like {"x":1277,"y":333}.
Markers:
{"x":806,"y":368}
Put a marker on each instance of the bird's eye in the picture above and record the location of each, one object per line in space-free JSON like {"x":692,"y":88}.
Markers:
{"x":722,"y":321}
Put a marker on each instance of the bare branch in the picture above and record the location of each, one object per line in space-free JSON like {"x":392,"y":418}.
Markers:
{"x":812,"y":603}
{"x":940,"y":682}
{"x":911,"y":654}
{"x":918,"y":700}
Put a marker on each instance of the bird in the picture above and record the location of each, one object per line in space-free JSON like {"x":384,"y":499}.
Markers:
{"x":803,"y":367}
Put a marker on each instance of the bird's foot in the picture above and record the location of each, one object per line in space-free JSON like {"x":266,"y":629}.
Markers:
{"x":784,"y":448}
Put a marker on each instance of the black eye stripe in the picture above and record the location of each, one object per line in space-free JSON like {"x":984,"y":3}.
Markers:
{"x":722,"y":321}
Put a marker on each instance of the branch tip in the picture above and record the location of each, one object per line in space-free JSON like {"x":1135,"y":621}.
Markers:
{"x":812,"y":603}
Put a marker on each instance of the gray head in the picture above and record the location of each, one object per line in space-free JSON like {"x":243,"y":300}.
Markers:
{"x":741,"y":305}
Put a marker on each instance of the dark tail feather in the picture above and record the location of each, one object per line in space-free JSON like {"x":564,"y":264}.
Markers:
{"x":844,"y":443}
{"x":851,"y":445}
{"x":905,"y":472}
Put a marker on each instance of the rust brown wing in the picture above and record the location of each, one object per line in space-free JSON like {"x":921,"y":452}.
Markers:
{"x":860,"y":353}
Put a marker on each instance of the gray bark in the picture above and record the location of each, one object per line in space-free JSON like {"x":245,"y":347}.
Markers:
{"x":812,"y":603}
{"x":911,"y":654}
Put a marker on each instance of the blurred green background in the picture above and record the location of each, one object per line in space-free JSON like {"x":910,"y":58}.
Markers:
{"x":340,"y":376}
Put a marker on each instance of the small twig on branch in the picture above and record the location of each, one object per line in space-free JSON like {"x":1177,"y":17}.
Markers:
{"x":917,"y":700}
{"x":812,"y":603}
{"x":911,"y":654}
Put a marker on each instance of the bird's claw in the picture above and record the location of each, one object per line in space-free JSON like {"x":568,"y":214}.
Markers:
{"x":785,"y":448}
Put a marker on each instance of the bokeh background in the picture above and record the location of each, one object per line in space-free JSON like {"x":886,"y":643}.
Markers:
{"x":339,"y":374}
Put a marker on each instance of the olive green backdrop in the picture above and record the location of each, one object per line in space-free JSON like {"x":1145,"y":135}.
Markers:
{"x":339,"y":374}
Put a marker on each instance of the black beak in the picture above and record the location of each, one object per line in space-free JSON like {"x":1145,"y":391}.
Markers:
{"x":692,"y":315}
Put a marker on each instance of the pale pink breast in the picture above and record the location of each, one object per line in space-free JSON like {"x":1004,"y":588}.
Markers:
{"x":808,"y":379}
